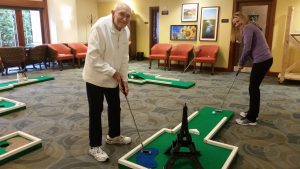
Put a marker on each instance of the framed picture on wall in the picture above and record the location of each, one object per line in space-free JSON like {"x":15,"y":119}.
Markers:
{"x":209,"y":23}
{"x":189,"y":12}
{"x":183,"y":32}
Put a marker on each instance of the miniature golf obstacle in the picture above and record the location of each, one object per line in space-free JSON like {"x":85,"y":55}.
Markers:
{"x":8,"y":106}
{"x":142,"y":78}
{"x":214,"y":154}
{"x":184,"y":139}
{"x":7,"y":85}
{"x":21,"y":75}
{"x":17,"y":144}
{"x":146,"y":156}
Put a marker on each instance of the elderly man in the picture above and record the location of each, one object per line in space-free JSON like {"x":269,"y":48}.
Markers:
{"x":106,"y":65}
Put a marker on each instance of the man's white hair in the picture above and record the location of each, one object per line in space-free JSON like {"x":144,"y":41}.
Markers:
{"x":121,"y":5}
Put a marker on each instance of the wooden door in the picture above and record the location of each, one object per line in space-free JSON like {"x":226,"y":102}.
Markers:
{"x":132,"y":45}
{"x":154,"y":26}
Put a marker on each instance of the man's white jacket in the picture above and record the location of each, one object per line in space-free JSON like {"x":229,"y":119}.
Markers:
{"x":107,"y":53}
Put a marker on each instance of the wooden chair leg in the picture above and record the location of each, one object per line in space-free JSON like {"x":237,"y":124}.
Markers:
{"x":73,"y":62}
{"x":60,"y":64}
{"x":212,"y":69}
{"x":201,"y":67}
{"x":78,"y":60}
{"x":184,"y":66}
{"x":45,"y":63}
{"x":194,"y":67}
{"x":150,"y":62}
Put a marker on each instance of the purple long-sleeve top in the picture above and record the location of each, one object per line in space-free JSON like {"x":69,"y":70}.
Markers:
{"x":255,"y":45}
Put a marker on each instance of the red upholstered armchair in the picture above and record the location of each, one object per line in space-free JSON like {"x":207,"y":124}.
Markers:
{"x":206,"y":54}
{"x":12,"y":57}
{"x":160,"y":51}
{"x":59,"y":53}
{"x":180,"y":53}
{"x":79,"y":50}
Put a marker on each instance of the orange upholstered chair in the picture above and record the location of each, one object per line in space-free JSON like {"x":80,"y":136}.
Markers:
{"x":206,"y":54}
{"x":79,"y":50}
{"x":181,"y":53}
{"x":160,"y":51}
{"x":60,"y":52}
{"x":12,"y":57}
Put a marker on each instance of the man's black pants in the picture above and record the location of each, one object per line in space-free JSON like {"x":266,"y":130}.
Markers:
{"x":95,"y":95}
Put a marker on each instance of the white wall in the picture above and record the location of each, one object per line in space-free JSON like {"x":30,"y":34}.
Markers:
{"x":62,"y":21}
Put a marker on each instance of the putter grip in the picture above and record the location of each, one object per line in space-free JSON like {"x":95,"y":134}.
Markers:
{"x":238,"y":71}
{"x":123,"y":87}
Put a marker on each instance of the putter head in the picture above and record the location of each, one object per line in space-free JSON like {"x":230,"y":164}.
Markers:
{"x":217,"y":111}
{"x":146,"y":151}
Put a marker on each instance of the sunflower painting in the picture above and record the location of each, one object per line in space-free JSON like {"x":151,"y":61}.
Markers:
{"x":183,"y":32}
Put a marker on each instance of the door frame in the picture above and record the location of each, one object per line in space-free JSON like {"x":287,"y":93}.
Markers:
{"x":269,"y":27}
{"x":152,"y":26}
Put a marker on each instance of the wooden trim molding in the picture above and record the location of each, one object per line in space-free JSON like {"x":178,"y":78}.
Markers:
{"x":40,"y":5}
{"x":24,"y":3}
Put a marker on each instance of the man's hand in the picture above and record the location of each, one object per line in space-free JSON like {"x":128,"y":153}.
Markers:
{"x":117,"y":77}
{"x":124,"y":87}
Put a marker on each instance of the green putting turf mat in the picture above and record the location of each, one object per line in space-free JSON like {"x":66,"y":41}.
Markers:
{"x":214,"y":155}
{"x":142,"y":78}
{"x":17,"y":144}
{"x":8,"y":106}
{"x":14,"y":83}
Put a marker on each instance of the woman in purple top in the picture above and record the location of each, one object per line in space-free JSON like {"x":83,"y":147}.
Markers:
{"x":256,"y":49}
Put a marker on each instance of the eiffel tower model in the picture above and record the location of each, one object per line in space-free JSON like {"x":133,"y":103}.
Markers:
{"x":184,"y":139}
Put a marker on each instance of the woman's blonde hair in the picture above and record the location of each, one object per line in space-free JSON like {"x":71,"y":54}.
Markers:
{"x":236,"y":34}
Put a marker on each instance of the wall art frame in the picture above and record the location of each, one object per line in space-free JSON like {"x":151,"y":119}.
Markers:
{"x":209,"y":23}
{"x":183,"y":32}
{"x":189,"y":12}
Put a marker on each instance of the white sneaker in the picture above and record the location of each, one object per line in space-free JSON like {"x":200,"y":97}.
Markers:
{"x":244,"y":121}
{"x":118,"y":140}
{"x":98,"y":154}
{"x":244,"y":114}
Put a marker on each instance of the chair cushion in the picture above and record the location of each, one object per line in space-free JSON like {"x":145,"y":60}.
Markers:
{"x":179,"y":57}
{"x":78,"y":47}
{"x":157,"y":56}
{"x":80,"y":55}
{"x":205,"y":59}
{"x":64,"y":56}
{"x":60,"y":48}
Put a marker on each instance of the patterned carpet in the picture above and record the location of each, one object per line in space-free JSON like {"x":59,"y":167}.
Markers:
{"x":57,"y":112}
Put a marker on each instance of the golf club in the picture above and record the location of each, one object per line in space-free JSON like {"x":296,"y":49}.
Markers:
{"x":125,"y":94}
{"x":220,"y":110}
{"x":189,"y":64}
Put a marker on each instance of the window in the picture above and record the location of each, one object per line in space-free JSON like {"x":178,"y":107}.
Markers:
{"x":24,"y":23}
{"x":32,"y":27}
{"x":8,"y":28}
